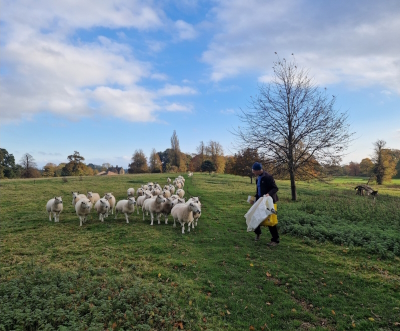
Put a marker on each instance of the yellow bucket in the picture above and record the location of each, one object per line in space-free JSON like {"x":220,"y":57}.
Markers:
{"x":271,"y":220}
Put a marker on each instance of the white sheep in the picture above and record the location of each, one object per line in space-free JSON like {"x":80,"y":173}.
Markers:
{"x":172,"y":189}
{"x":153,"y":206}
{"x":76,"y":196}
{"x":102,"y":207}
{"x":141,"y":199}
{"x":93,"y":197}
{"x":166,"y":193}
{"x":55,"y":206}
{"x":180,"y":192}
{"x":82,"y":208}
{"x":168,"y":180}
{"x":111,"y":200}
{"x":130,"y":192}
{"x":155,"y":191}
{"x":126,"y":207}
{"x":176,"y":201}
{"x":140,"y":192}
{"x":196,"y":216}
{"x":183,"y":213}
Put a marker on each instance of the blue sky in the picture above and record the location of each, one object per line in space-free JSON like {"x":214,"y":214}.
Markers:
{"x":107,"y":78}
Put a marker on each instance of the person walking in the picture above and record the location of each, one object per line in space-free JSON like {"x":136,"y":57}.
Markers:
{"x":266,"y":186}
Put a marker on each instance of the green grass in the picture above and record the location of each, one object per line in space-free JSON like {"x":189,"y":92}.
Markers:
{"x":337,"y":266}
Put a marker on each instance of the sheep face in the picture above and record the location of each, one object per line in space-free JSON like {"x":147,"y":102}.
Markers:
{"x":160,"y":198}
{"x":194,"y":207}
{"x":58,"y":200}
{"x":131,"y":201}
{"x":74,"y":195}
{"x":86,"y":205}
{"x":90,"y":195}
{"x":108,"y":196}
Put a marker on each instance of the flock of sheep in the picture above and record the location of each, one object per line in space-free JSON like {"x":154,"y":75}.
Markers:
{"x":151,"y":198}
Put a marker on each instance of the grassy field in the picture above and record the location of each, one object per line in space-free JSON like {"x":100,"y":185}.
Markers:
{"x":337,"y":267}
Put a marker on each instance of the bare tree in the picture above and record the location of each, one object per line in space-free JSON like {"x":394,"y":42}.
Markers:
{"x":293,"y":124}
{"x":29,"y":166}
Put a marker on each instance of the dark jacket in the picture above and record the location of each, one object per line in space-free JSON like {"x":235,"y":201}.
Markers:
{"x":267,"y":186}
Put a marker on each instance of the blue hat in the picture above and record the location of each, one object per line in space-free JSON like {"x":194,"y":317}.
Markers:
{"x":257,"y":166}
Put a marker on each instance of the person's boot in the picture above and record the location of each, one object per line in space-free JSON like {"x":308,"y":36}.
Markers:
{"x":257,"y":238}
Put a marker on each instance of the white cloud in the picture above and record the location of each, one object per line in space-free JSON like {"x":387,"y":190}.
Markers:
{"x":174,"y":107}
{"x":158,"y":76}
{"x":169,"y":90}
{"x":47,"y":70}
{"x":386,"y":92}
{"x":185,"y":30}
{"x":352,"y":42}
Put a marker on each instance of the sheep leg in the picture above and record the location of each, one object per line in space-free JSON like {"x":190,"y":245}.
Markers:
{"x":183,"y":228}
{"x":127,"y":219}
{"x":166,"y":219}
{"x":188,"y":227}
{"x":152,"y":218}
{"x":50,"y":216}
{"x":137,"y":209}
{"x":100,"y":217}
{"x":192,"y":225}
{"x":174,"y":223}
{"x":158,"y":218}
{"x":116,"y":214}
{"x":58,"y":217}
{"x":80,"y":220}
{"x":143,"y":212}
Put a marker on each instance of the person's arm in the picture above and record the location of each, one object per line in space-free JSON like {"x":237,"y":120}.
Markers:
{"x":271,"y":183}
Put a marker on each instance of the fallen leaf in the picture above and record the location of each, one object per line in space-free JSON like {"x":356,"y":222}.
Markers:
{"x":114,"y":325}
{"x":268,"y":274}
{"x":228,"y":312}
{"x":268,"y":304}
{"x":330,"y":295}
{"x":396,"y":324}
{"x":333,"y":312}
{"x":272,"y":315}
{"x":341,"y":283}
{"x":251,"y":265}
{"x":190,"y":302}
{"x":293,"y":310}
{"x":353,"y":325}
{"x":371,"y":319}
{"x":204,"y":320}
{"x":251,"y":327}
{"x":159,"y":275}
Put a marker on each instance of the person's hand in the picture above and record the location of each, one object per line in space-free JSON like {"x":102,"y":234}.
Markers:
{"x":266,"y":195}
{"x":252,"y":202}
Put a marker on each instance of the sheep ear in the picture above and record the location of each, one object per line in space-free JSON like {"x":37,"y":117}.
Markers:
{"x":55,"y":197}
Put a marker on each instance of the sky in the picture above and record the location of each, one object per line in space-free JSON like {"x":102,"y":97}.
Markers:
{"x":106,"y":78}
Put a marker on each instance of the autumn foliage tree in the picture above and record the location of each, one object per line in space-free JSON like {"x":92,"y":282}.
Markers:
{"x":139,"y":163}
{"x":384,"y":163}
{"x":244,"y":161}
{"x":366,"y":167}
{"x":155,"y":164}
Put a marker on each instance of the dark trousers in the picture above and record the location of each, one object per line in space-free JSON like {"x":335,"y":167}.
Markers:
{"x":272,"y":229}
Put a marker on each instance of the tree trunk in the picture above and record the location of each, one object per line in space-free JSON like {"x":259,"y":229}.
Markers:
{"x":293,"y":185}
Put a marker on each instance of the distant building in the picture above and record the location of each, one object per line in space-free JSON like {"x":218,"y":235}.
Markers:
{"x":112,"y":171}
{"x":117,"y":170}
